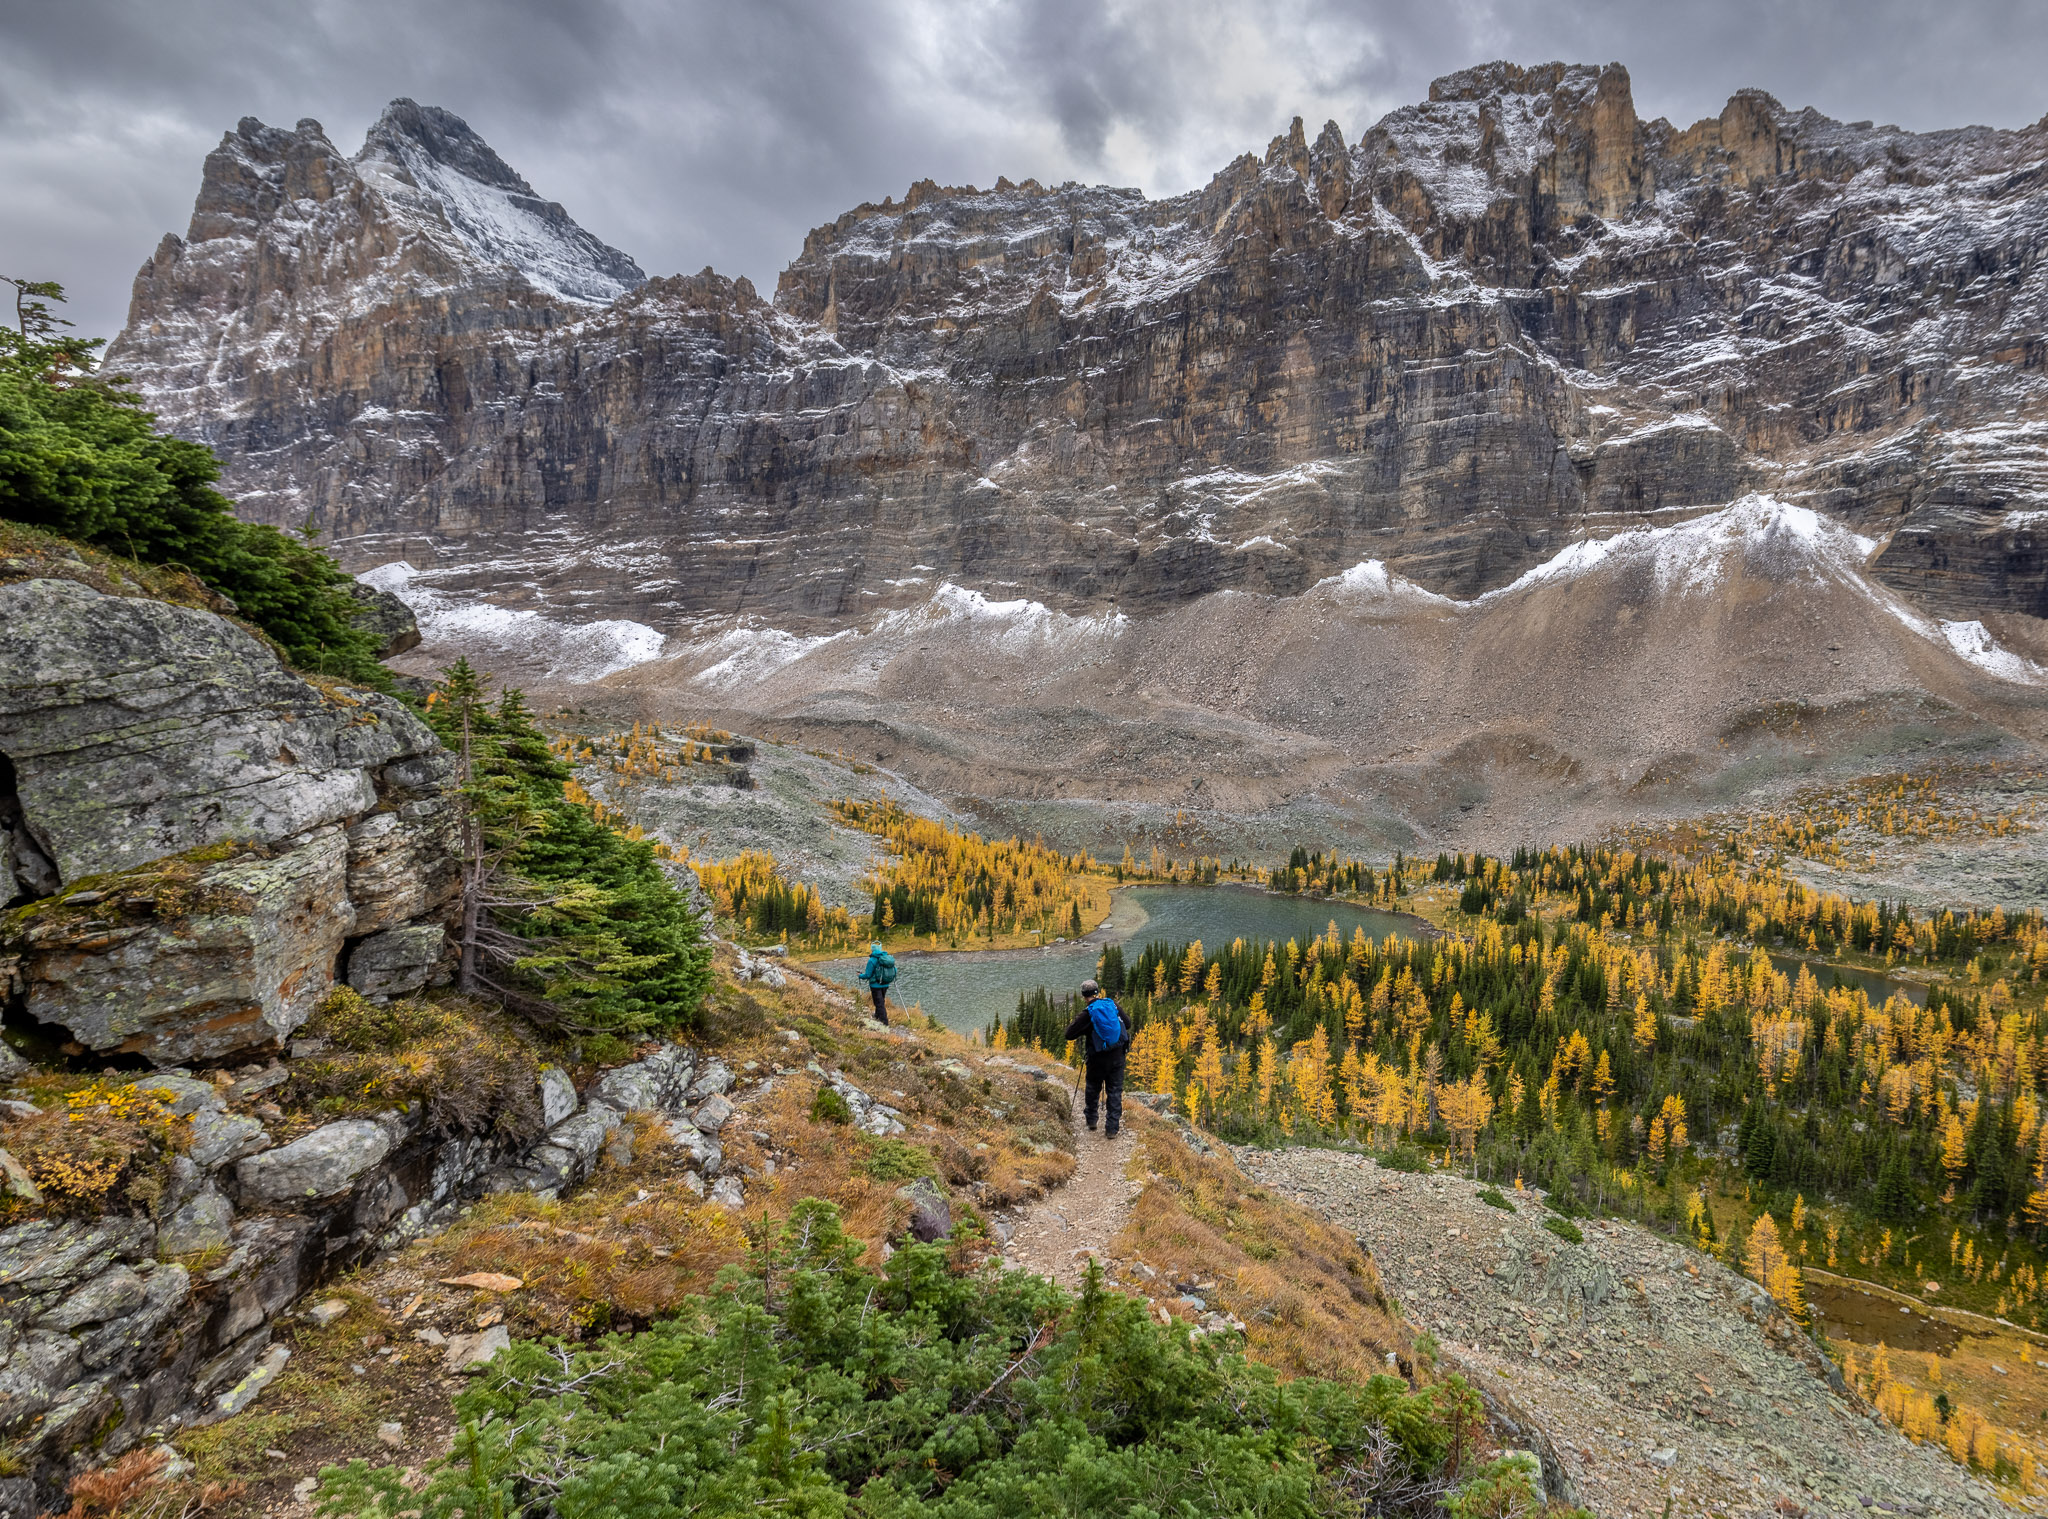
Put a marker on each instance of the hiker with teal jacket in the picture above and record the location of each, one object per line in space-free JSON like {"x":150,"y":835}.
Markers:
{"x":1107,"y":1028}
{"x":880,"y":972}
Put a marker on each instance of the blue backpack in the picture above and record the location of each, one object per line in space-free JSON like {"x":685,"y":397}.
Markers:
{"x":1107,"y":1022}
{"x":885,"y":970}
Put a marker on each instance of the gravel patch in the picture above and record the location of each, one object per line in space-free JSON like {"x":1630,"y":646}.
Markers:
{"x":787,"y":814}
{"x":1654,"y":1372}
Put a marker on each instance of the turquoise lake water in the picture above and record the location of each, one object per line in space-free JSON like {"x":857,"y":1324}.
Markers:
{"x":964,"y":990}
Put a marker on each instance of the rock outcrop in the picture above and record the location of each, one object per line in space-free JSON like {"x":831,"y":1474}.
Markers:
{"x":116,"y":1329}
{"x":198,"y":835}
{"x":1505,"y":318}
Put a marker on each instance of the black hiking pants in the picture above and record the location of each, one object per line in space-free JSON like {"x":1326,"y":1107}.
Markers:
{"x":1105,"y":1072}
{"x":881,"y":1003}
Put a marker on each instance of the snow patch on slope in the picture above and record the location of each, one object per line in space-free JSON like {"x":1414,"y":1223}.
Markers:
{"x":1973,"y":641}
{"x":564,"y":651}
{"x":1694,"y":556}
{"x":754,"y":654}
{"x":1371,"y":581}
{"x":1015,"y":627}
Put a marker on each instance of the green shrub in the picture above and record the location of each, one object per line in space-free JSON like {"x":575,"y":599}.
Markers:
{"x":1503,"y":1489}
{"x":893,"y":1160}
{"x":805,"y":1384}
{"x":1403,"y":1157}
{"x":829,"y":1107}
{"x":1492,"y":1198}
{"x":83,"y":461}
{"x":1565,"y":1230}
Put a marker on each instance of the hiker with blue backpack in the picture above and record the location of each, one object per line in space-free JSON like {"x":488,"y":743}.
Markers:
{"x":1107,"y":1029}
{"x":879,"y":974}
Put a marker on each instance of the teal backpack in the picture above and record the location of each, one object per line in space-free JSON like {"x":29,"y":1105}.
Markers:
{"x":885,"y":970}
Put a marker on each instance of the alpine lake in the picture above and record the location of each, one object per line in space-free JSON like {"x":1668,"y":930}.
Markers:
{"x":967,"y":989}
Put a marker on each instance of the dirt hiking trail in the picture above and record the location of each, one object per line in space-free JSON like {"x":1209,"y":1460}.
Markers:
{"x":1057,"y":1235}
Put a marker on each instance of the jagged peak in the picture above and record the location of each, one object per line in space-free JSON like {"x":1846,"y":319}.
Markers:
{"x":1502,"y":77}
{"x":489,"y":206}
{"x":407,"y":128}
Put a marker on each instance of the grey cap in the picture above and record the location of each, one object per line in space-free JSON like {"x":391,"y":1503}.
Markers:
{"x":1090,"y":986}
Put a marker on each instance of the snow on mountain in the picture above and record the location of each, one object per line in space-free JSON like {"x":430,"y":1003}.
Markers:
{"x":554,"y":649}
{"x":430,"y":160}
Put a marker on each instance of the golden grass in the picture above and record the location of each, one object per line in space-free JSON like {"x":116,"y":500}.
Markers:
{"x":1311,"y":1301}
{"x":634,"y":1243}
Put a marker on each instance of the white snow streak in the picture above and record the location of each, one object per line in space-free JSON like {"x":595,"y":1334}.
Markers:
{"x":566,"y":651}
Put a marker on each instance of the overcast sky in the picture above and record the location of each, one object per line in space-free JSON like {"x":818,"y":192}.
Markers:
{"x":718,"y":132}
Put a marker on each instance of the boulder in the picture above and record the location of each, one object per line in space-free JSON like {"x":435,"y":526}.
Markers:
{"x":583,"y":1135}
{"x":658,"y":1084}
{"x":138,"y":730}
{"x":327,"y":1161}
{"x":557,"y":1096}
{"x":201,"y":1223}
{"x":219,"y":1137}
{"x":716,"y":1077}
{"x":397,"y":961}
{"x":565,"y":1156}
{"x":232,"y":955}
{"x":931,"y":1216}
{"x":385,"y":617}
{"x":712,"y":1115}
{"x":703,"y":1150}
{"x":473,"y":1352}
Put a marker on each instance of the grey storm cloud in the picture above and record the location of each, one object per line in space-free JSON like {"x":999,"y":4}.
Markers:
{"x":719,"y":131}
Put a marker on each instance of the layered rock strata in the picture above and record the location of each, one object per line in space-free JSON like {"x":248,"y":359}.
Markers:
{"x":206,"y":834}
{"x":1506,"y":318}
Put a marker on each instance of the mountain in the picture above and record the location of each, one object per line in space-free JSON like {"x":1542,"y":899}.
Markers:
{"x":1508,"y":323}
{"x":1662,"y":669}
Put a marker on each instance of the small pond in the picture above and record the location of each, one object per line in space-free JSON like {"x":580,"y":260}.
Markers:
{"x":1874,"y":984}
{"x":966,"y":989}
{"x":1849,"y":1313}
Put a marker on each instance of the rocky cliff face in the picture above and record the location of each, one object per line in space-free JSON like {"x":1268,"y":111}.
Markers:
{"x":201,"y":841}
{"x":1508,"y":317}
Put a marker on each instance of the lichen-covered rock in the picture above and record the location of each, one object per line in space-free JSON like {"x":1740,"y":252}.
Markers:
{"x":711,"y":1114}
{"x":659,"y":1084}
{"x":565,"y":1157}
{"x":557,"y":1095}
{"x":403,"y":862}
{"x":138,"y":730}
{"x":716,"y":1077}
{"x":327,"y":1161}
{"x":703,"y":1150}
{"x":243,"y":955}
{"x":239,"y":824}
{"x":201,"y":1223}
{"x":397,"y":961}
{"x":188,"y":1095}
{"x":219,"y":1137}
{"x":44,"y":1260}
